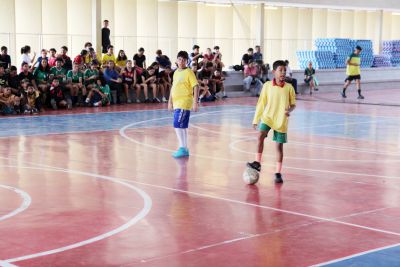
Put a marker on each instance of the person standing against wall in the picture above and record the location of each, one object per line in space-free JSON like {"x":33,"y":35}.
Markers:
{"x":105,"y":37}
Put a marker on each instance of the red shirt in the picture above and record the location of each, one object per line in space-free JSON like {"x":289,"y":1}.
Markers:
{"x":78,"y":59}
{"x":209,"y":57}
{"x":52,"y":61}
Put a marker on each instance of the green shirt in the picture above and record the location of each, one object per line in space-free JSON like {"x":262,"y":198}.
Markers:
{"x":40,"y":75}
{"x":74,"y":76}
{"x":89,"y":73}
{"x":57,"y":72}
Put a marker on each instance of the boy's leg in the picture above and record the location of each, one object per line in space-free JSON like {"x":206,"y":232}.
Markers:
{"x":264,"y":129}
{"x":181,"y":122}
{"x":280,"y":139}
{"x":247,"y":82}
{"x":358,"y":85}
{"x":346,"y":84}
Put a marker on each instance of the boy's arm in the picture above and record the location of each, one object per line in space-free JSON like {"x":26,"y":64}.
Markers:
{"x":170,"y":104}
{"x":262,"y":102}
{"x":292,"y":102}
{"x":195,"y":97}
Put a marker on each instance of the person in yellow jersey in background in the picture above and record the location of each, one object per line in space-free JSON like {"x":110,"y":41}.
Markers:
{"x":184,"y":95}
{"x":277,"y":100}
{"x":353,"y":72}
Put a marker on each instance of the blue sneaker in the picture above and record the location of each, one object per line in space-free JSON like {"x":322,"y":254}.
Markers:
{"x":181,"y":152}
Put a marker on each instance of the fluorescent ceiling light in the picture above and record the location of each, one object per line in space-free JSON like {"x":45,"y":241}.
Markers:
{"x":396,"y":13}
{"x":271,"y":7}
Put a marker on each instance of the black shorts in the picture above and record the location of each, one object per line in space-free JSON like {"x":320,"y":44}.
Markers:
{"x":353,"y":77}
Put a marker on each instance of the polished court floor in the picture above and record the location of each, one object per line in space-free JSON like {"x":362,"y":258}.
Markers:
{"x":98,"y":187}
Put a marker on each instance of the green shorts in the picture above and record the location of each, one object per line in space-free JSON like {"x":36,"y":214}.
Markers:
{"x":278,"y":137}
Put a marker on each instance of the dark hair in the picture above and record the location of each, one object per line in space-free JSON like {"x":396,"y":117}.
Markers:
{"x":65,"y":48}
{"x":25,"y":49}
{"x":87,"y":44}
{"x":24,"y":63}
{"x":94,"y":62}
{"x":47,"y":68}
{"x":91,"y":49}
{"x":183,"y":54}
{"x":13,"y":68}
{"x":53,"y":49}
{"x":257,"y":46}
{"x":159,"y":52}
{"x":286,"y":61}
{"x":278,"y":63}
{"x":4,"y":48}
{"x":250,"y":49}
{"x":121,"y":58}
{"x":106,"y":20}
{"x":209,"y":64}
{"x":216,"y":47}
{"x":141,"y":49}
{"x":59,"y":59}
{"x":358,"y":47}
{"x":43,"y":50}
{"x":196,"y":47}
{"x":110,"y":46}
{"x":150,"y":68}
{"x":154,"y":64}
{"x":84,"y":52}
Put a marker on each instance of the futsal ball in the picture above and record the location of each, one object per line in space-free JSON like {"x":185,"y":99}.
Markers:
{"x":250,"y":176}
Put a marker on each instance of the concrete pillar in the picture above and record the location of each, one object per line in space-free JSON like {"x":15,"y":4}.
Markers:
{"x":96,"y":25}
{"x":260,"y":26}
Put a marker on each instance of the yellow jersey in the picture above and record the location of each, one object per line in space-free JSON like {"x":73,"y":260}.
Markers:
{"x":182,"y":88}
{"x":353,"y":70}
{"x":121,"y":63}
{"x":107,"y":58}
{"x":272,"y":105}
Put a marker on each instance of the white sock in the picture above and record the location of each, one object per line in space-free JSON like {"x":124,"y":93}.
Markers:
{"x":180,"y":135}
{"x":185,"y":138}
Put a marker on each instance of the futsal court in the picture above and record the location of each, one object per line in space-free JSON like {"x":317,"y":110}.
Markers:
{"x":101,"y":189}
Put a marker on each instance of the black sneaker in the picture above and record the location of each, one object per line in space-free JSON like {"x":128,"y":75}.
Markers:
{"x":254,"y":165}
{"x":156,"y":100}
{"x":278,"y":178}
{"x":360,"y":97}
{"x":343,"y":94}
{"x":147,"y":101}
{"x":316,"y":89}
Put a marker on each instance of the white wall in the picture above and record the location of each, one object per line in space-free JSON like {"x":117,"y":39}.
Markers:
{"x":173,"y":26}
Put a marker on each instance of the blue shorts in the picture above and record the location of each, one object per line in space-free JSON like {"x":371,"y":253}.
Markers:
{"x":181,"y":118}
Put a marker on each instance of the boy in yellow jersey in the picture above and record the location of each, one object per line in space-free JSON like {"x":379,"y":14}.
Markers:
{"x":277,"y":100}
{"x":353,"y":72}
{"x":184,"y":95}
{"x":109,"y":55}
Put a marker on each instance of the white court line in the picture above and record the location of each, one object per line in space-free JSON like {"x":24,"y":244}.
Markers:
{"x":232,"y":145}
{"x":356,"y":255}
{"x":143,"y":212}
{"x":124,"y":135}
{"x":334,"y":112}
{"x":6,"y":264}
{"x":319,"y":219}
{"x":26,"y":201}
{"x":251,"y":236}
{"x":246,"y":134}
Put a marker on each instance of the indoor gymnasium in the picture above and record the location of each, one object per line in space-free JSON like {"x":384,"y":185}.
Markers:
{"x":211,"y":133}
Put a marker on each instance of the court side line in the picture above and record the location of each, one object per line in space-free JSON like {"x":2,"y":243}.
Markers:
{"x":245,"y":135}
{"x":333,"y":220}
{"x":225,"y":199}
{"x":6,"y":264}
{"x":355,"y":255}
{"x":318,"y":219}
{"x":26,"y":202}
{"x":333,"y":112}
{"x":232,"y":145}
{"x":143,"y":212}
{"x":124,"y":135}
{"x":251,"y":236}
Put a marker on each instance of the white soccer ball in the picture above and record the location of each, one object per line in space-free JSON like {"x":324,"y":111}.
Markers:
{"x":250,"y":176}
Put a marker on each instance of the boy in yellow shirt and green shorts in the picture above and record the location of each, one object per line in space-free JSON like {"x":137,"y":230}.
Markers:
{"x":184,"y":95}
{"x":277,"y":100}
{"x":353,"y":72}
